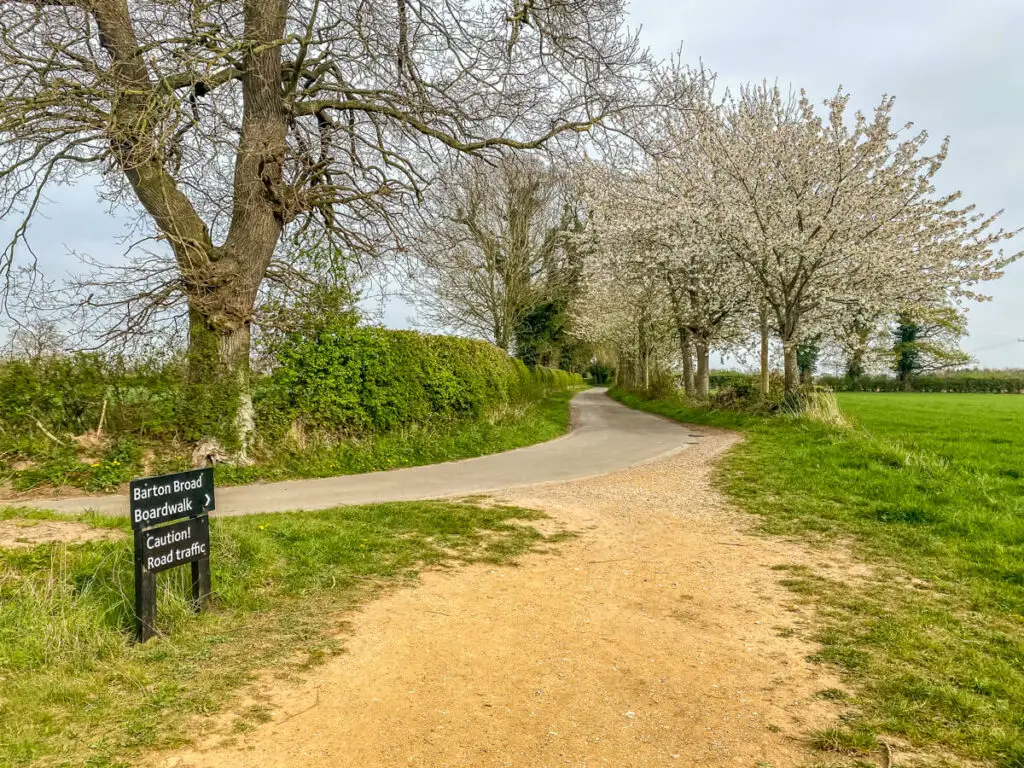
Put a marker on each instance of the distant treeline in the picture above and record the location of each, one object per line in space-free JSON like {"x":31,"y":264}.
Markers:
{"x":993,"y":382}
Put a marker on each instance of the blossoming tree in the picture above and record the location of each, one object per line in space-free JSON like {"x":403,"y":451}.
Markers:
{"x":653,"y":225}
{"x":824,"y":212}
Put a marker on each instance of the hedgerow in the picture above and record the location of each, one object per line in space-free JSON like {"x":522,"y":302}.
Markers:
{"x":981,"y":381}
{"x":994,"y":382}
{"x":68,"y":394}
{"x":359,"y":380}
{"x":337,"y":384}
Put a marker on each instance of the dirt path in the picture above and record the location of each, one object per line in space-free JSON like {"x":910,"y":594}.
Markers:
{"x":659,"y":636}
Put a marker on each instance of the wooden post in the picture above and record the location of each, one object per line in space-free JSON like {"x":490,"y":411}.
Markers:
{"x":200,"y":583}
{"x":145,"y":596}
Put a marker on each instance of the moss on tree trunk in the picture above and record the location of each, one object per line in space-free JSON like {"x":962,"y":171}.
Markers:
{"x":218,"y":400}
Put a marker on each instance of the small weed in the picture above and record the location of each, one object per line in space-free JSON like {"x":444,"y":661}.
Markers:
{"x":845,"y":741}
{"x":832,"y":694}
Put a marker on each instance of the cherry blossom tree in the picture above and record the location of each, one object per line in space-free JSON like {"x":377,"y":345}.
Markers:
{"x":654,"y":226}
{"x":625,"y":310}
{"x":824,"y":212}
{"x":857,"y":345}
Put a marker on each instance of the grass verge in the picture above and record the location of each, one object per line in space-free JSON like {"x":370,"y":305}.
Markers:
{"x":513,"y":425}
{"x":928,"y":489}
{"x":74,"y":689}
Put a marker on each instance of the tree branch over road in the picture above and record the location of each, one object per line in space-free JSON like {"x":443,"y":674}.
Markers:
{"x":238,"y":128}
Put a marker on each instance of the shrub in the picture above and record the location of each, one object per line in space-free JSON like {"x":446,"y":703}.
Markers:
{"x":359,"y":380}
{"x":600,"y":374}
{"x":735,"y":391}
{"x":66,"y":394}
{"x":723,"y":379}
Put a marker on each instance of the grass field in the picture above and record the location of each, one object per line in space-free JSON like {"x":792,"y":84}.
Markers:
{"x":74,"y":689}
{"x":928,"y":488}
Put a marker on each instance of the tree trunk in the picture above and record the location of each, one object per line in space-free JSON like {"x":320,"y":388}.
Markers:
{"x":501,"y":339}
{"x":765,"y":378}
{"x":686,"y":350}
{"x":855,"y":365}
{"x":792,"y":370}
{"x":222,"y":295}
{"x":218,"y":402}
{"x":703,"y":382}
{"x":221,"y":282}
{"x":643,"y":354}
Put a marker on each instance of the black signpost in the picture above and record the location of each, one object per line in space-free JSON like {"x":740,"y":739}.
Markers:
{"x":184,"y":500}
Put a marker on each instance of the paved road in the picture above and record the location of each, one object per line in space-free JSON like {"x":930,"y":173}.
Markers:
{"x":607,"y":437}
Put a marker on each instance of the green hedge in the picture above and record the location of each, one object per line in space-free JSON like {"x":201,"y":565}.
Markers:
{"x":1008,"y":381}
{"x":994,"y":382}
{"x":723,"y":379}
{"x":347,"y":379}
{"x":67,"y":393}
{"x":359,"y":380}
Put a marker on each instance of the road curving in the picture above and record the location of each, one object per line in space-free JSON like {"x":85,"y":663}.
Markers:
{"x":606,"y":437}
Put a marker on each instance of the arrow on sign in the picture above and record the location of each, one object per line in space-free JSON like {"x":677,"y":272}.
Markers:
{"x":207,"y":500}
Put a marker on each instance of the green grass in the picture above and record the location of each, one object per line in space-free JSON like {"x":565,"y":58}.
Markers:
{"x":75,"y":690}
{"x":928,"y":488}
{"x":521,"y":423}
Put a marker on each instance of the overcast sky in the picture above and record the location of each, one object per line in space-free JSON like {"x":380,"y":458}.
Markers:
{"x":955,"y":66}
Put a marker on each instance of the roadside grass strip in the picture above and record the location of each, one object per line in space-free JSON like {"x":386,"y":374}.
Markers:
{"x":542,"y":416}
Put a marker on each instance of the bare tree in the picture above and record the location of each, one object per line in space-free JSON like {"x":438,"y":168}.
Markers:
{"x":493,"y":246}
{"x":233,"y":124}
{"x":39,"y":338}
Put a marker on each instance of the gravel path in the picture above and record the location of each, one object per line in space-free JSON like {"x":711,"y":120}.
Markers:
{"x":606,"y":437}
{"x":659,"y":636}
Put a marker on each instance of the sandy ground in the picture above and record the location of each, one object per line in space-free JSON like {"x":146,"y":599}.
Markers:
{"x":658,"y":636}
{"x":15,"y":534}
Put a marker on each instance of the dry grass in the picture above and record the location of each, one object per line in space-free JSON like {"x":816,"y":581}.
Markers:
{"x":823,"y":407}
